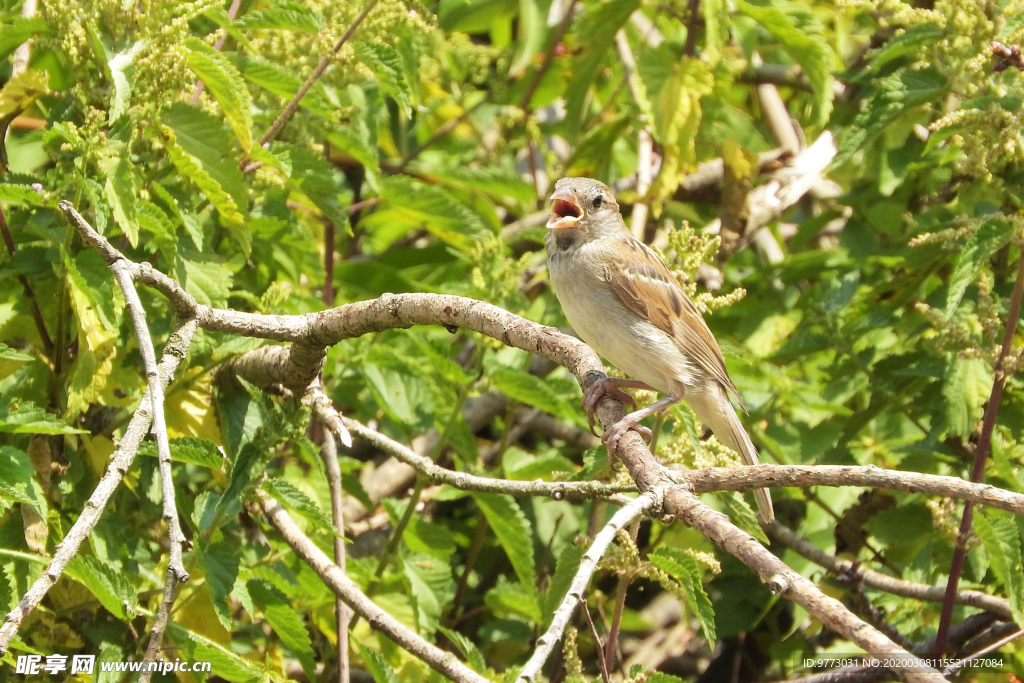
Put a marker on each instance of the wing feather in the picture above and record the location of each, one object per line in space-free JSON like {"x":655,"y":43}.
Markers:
{"x":649,"y":289}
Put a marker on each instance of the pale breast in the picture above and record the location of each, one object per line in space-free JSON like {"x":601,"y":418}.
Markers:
{"x":623,"y":338}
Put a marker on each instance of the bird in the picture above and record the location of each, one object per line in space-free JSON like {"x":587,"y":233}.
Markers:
{"x":623,"y":301}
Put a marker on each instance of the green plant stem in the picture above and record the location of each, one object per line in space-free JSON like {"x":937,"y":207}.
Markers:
{"x":980,"y":457}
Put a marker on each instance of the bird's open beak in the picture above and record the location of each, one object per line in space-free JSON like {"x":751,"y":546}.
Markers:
{"x":565,"y":209}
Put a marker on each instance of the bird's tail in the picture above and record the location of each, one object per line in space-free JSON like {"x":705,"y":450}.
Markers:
{"x":714,"y":409}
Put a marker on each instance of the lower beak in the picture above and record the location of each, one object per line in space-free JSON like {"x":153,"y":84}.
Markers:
{"x":564,"y":201}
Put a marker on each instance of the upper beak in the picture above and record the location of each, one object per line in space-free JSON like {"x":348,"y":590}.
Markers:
{"x":565,"y":209}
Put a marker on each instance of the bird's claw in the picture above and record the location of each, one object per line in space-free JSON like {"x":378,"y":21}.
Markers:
{"x":613,"y":434}
{"x":594,"y":394}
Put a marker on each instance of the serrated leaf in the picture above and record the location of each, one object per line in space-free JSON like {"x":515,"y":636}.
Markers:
{"x":533,"y":391}
{"x":378,"y":666}
{"x":22,"y":194}
{"x":316,"y":178}
{"x":416,"y":205}
{"x":287,"y":16}
{"x":200,"y":151}
{"x":898,"y":93}
{"x":909,"y":42}
{"x":122,"y":195}
{"x":19,"y":29}
{"x":220,"y":565}
{"x":421,"y":536}
{"x":989,"y":238}
{"x":467,"y":647}
{"x":513,"y":532}
{"x":224,"y":663}
{"x":226,"y":85}
{"x":299,"y":502}
{"x":431,"y":588}
{"x":385,"y":63}
{"x":1001,"y":539}
{"x":282,"y":617}
{"x":683,"y":568}
{"x":964,"y":393}
{"x":206,"y":278}
{"x":9,"y":354}
{"x":512,"y":598}
{"x":800,"y":33}
{"x":108,"y":584}
{"x":190,"y":449}
{"x":25,"y":417}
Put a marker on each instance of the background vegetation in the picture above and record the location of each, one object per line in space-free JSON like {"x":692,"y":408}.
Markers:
{"x":863,"y":326}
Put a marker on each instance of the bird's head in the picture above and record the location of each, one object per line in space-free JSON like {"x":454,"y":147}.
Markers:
{"x":585,"y":205}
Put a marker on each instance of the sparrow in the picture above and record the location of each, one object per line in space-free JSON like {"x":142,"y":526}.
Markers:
{"x":623,"y":301}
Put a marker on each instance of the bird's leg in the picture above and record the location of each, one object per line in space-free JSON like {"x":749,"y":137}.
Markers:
{"x":609,"y":385}
{"x":616,"y":431}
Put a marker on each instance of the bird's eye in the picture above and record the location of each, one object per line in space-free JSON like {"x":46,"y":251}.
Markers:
{"x":597,"y":201}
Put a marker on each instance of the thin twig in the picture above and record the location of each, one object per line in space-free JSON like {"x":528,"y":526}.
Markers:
{"x":342,"y":614}
{"x":443,"y":662}
{"x":980,"y":457}
{"x":588,"y":565}
{"x":321,"y":67}
{"x":549,"y":53}
{"x":174,"y":352}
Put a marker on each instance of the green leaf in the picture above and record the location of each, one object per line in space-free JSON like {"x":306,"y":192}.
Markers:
{"x":18,"y":93}
{"x":416,"y":204}
{"x":220,"y":565}
{"x":467,"y":647}
{"x":298,"y":502}
{"x":288,"y":16}
{"x":565,"y":570}
{"x":683,"y":568}
{"x":507,"y":598}
{"x":121,"y":192}
{"x":22,"y":194}
{"x":282,"y":617}
{"x":908,"y":43}
{"x":964,"y":393}
{"x":385,"y":63}
{"x":898,"y":93}
{"x":122,"y":73}
{"x":990,"y":238}
{"x":9,"y":354}
{"x":1001,"y":539}
{"x":189,"y":449}
{"x":225,"y":83}
{"x":472,"y":16}
{"x":199,"y":149}
{"x":495,"y":181}
{"x":378,"y":666}
{"x":798,"y":30}
{"x":25,"y":417}
{"x":431,"y":588}
{"x":18,"y":478}
{"x":316,"y":178}
{"x":19,"y":29}
{"x":224,"y":663}
{"x":513,"y":532}
{"x":109,"y":584}
{"x":207,"y":278}
{"x":532,"y":34}
{"x":593,"y":34}
{"x":533,"y":391}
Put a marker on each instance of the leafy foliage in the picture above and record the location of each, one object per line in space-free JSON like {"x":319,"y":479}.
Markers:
{"x":862,"y":326}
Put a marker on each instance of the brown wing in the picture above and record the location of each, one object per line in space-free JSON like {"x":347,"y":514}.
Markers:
{"x":648,"y":289}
